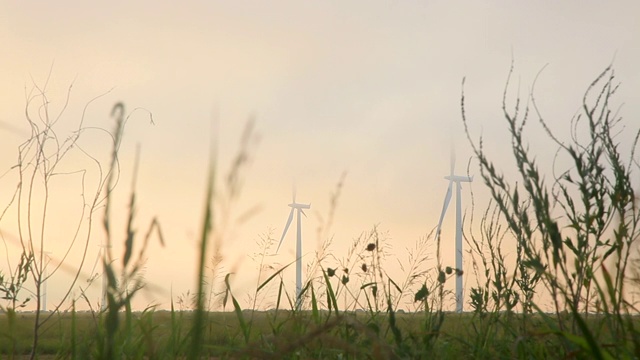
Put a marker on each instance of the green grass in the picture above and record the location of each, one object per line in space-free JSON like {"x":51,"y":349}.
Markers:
{"x":152,"y":333}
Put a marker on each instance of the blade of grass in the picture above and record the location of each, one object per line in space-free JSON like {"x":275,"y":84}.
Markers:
{"x":73,"y":330}
{"x":331,"y":296}
{"x":246,"y":330}
{"x":207,"y":227}
{"x":264,"y":283}
{"x":315,"y":315}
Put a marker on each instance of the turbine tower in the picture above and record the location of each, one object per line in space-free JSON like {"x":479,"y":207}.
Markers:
{"x":455,"y":179}
{"x":299,"y":207}
{"x":44,"y":278}
{"x":102,"y":257}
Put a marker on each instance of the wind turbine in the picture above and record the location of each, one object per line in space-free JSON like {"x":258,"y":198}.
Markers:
{"x":102,"y":256}
{"x":455,"y":179}
{"x":299,"y":207}
{"x":45,"y":277}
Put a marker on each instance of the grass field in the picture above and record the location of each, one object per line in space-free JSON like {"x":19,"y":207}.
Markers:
{"x":164,"y":335}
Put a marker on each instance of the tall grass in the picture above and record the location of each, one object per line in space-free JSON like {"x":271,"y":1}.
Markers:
{"x":573,"y":237}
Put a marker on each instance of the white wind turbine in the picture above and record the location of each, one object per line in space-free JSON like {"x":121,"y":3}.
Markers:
{"x":455,"y":179}
{"x":45,"y":258}
{"x":102,"y":256}
{"x":299,"y":207}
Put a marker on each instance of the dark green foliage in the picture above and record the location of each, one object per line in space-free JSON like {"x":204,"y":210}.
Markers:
{"x":568,"y":230}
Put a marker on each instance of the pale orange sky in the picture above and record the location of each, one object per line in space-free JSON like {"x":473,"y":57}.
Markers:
{"x":368,"y":88}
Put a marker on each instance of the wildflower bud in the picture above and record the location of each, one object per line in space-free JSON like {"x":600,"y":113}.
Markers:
{"x":345,"y":279}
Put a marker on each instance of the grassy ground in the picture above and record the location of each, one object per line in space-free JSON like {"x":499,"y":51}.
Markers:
{"x":223,"y":334}
{"x":149,"y":333}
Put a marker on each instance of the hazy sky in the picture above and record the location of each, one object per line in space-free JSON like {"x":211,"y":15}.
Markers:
{"x":370,"y":88}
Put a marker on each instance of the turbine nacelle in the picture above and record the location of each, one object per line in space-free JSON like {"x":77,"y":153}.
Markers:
{"x":457,"y":178}
{"x":294,"y":206}
{"x":300,"y":206}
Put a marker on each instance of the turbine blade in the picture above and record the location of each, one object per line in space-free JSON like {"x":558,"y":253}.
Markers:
{"x":453,"y":160}
{"x":447,"y":199}
{"x":286,"y":227}
{"x":293,"y":192}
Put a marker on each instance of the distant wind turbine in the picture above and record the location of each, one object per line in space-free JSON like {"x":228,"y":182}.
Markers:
{"x":455,"y":179}
{"x":45,"y":277}
{"x":102,"y":257}
{"x":299,"y":207}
